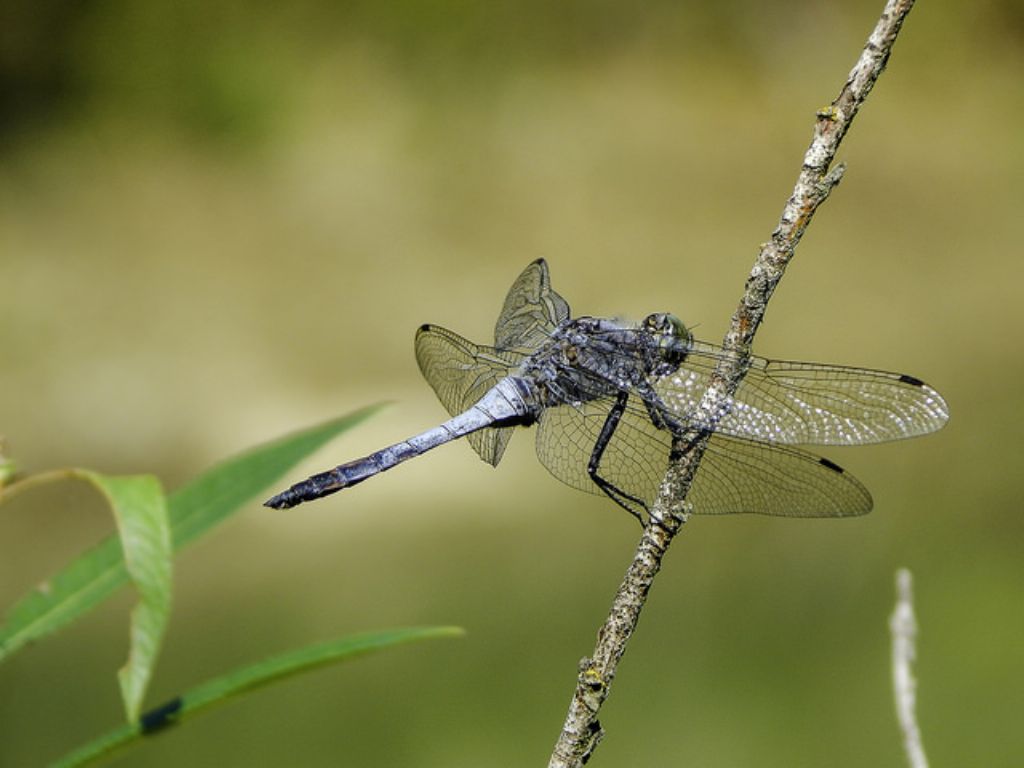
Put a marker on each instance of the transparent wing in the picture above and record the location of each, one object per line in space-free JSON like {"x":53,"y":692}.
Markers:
{"x":634,"y":460}
{"x":770,"y":479}
{"x":532,"y":310}
{"x":734,"y":475}
{"x":808,"y":403}
{"x":461,"y":372}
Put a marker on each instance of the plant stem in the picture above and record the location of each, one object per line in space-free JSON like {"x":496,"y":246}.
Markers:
{"x":903,"y":627}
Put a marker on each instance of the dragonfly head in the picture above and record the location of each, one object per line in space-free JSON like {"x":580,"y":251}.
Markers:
{"x":672,"y":337}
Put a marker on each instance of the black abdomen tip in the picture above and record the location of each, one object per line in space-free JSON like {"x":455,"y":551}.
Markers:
{"x":283,"y":500}
{"x":315,"y":487}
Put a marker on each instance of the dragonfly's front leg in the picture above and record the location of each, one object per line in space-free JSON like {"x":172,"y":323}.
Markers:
{"x":617,"y":495}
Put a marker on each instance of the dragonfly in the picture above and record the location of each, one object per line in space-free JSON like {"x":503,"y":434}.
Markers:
{"x":609,"y":398}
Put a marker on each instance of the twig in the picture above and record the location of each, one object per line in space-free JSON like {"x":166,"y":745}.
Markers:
{"x":903,"y":627}
{"x":582,"y":731}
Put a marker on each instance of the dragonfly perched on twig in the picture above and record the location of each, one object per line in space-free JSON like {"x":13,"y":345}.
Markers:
{"x":608,"y":398}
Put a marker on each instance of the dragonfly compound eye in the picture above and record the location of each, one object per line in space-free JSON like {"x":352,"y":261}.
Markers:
{"x":675,"y":327}
{"x":666,"y":324}
{"x":673,"y":337}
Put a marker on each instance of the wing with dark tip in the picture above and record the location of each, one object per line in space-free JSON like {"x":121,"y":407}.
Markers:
{"x":532,"y":310}
{"x":808,"y":403}
{"x":461,"y":372}
{"x":747,"y":476}
{"x":734,"y":476}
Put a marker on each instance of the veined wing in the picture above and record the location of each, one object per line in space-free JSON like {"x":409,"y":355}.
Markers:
{"x":734,"y":475}
{"x":771,"y":479}
{"x":461,"y":372}
{"x":808,"y":403}
{"x":532,"y":310}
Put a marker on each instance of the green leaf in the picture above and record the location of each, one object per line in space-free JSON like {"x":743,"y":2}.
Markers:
{"x":216,"y":494}
{"x":245,"y":679}
{"x":193,"y":510}
{"x":141,"y":513}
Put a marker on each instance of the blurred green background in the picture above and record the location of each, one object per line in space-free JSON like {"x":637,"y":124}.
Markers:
{"x":223,"y":221}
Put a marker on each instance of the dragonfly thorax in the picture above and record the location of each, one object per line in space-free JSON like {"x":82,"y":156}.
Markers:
{"x":587,"y":358}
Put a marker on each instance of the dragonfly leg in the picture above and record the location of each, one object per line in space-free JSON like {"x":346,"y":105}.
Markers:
{"x":658,"y":413}
{"x":682,"y":436}
{"x":617,"y":495}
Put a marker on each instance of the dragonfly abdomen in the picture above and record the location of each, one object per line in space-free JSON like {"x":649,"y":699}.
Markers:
{"x":505,"y":404}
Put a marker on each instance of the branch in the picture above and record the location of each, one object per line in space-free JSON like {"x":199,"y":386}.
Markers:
{"x":582,"y":731}
{"x":903,"y":627}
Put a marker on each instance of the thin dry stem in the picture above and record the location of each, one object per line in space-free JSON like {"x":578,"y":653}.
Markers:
{"x":903,"y":626}
{"x":582,"y":730}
